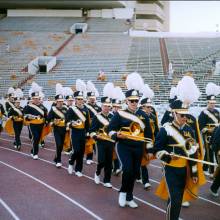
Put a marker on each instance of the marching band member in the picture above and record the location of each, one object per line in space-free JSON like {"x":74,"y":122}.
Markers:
{"x":2,"y":116}
{"x":68,"y":93}
{"x":168,"y":116}
{"x":215,"y":143}
{"x":180,"y":175}
{"x":42,"y":142}
{"x":10,"y":101}
{"x":94,"y":109}
{"x":16,"y":114}
{"x":208,"y":119}
{"x":57,"y":118}
{"x":35,"y":114}
{"x":78,"y":120}
{"x":117,"y":99}
{"x":105,"y":144}
{"x":193,"y":123}
{"x":130,"y":128}
{"x":146,"y":106}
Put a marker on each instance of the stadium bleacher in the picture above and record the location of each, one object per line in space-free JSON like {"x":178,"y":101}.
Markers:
{"x":105,"y":47}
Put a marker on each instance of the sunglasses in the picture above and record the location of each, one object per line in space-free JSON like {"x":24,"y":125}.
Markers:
{"x":183,"y":115}
{"x":80,"y":99}
{"x":134,"y":101}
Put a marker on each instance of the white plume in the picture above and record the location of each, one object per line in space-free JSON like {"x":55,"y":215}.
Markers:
{"x":59,"y":89}
{"x":91,"y":88}
{"x":80,"y":85}
{"x":187,"y":90}
{"x":173,"y":92}
{"x":41,"y":94}
{"x":134,"y":81}
{"x":19,"y":93}
{"x":212,"y":89}
{"x":147,"y":91}
{"x":67,"y":91}
{"x":118,"y":94}
{"x":35,"y":87}
{"x":11,"y":90}
{"x":108,"y":90}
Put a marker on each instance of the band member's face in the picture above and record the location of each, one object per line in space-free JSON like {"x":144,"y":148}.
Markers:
{"x":92,"y":101}
{"x":11,"y":98}
{"x":211,"y":106}
{"x":116,"y":108}
{"x":69,"y":102}
{"x":59,"y":104}
{"x":36,"y":101}
{"x":79,"y":102}
{"x":181,"y":119}
{"x":132,"y":104}
{"x":17,"y":104}
{"x":106,"y":109}
{"x":147,"y":109}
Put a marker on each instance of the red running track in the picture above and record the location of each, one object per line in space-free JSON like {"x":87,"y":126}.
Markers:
{"x":38,"y":190}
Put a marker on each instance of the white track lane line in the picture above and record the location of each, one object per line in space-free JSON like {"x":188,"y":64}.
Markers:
{"x":88,"y":177}
{"x":54,"y":190}
{"x":9,"y":210}
{"x":155,"y":181}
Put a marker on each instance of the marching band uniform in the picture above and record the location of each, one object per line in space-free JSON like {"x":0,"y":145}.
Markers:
{"x":169,"y":140}
{"x":215,"y":143}
{"x":57,"y":118}
{"x":116,"y":105}
{"x":146,"y":102}
{"x":208,"y":120}
{"x":9,"y":103}
{"x":2,"y":114}
{"x":69,"y":102}
{"x":129,"y":151}
{"x":104,"y":144}
{"x":16,"y":114}
{"x":35,"y":115}
{"x":78,"y":120}
{"x":94,"y":109}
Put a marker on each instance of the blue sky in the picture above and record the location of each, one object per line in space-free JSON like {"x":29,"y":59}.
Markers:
{"x":194,"y":16}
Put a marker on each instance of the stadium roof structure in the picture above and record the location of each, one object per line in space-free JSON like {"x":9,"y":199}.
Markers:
{"x":60,"y":4}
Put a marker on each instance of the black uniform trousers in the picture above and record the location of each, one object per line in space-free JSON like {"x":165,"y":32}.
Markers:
{"x":176,"y":181}
{"x":209,"y":156}
{"x":59,"y":135}
{"x":29,"y":132}
{"x":116,"y":165}
{"x":17,"y":125}
{"x":130,"y":156}
{"x":105,"y":153}
{"x":36,"y":131}
{"x":143,"y":174}
{"x":78,"y":147}
{"x":216,"y":183}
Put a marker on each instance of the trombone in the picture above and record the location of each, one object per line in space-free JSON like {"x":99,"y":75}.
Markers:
{"x":102,"y":134}
{"x":134,"y":132}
